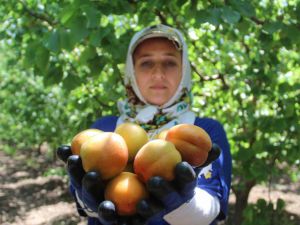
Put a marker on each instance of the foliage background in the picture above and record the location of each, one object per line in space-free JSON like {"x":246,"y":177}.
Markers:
{"x":62,"y":63}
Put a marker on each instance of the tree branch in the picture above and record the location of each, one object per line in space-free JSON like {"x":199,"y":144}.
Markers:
{"x":43,"y":17}
{"x":257,"y":21}
{"x":247,"y":48}
{"x":102,"y":104}
{"x":218,"y":76}
{"x":161,"y":17}
{"x":203,"y":78}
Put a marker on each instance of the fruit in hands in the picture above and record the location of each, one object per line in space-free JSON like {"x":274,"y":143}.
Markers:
{"x":191,"y":141}
{"x":125,"y":191}
{"x":161,"y":135}
{"x":135,"y":137}
{"x":81,"y":137}
{"x":156,"y":158}
{"x":105,"y":153}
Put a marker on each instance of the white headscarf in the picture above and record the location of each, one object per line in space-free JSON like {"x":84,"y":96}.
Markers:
{"x":177,"y":109}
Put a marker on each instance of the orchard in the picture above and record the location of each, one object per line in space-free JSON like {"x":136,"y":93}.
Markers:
{"x":62,"y":64}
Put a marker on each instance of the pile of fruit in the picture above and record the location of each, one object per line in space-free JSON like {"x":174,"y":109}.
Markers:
{"x":126,"y":158}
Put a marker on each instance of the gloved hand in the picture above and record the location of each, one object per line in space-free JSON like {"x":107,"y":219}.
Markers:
{"x":167,"y":196}
{"x":89,"y":192}
{"x":108,"y":214}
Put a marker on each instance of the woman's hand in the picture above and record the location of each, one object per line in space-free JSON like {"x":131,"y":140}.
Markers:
{"x":88,"y":189}
{"x":166,"y":196}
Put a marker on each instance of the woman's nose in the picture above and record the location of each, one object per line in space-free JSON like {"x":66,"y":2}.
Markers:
{"x":158,"y":72}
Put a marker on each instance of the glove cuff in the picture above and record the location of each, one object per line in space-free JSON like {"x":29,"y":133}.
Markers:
{"x":83,"y":207}
{"x":203,"y":208}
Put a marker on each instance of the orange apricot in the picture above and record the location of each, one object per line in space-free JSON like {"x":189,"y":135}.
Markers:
{"x":156,"y":158}
{"x":105,"y":153}
{"x":125,"y":191}
{"x":191,"y":141}
{"x":80,"y":138}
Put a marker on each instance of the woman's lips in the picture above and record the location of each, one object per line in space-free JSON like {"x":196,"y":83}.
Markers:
{"x":158,"y":87}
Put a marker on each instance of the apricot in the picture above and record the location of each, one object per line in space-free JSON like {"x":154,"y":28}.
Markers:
{"x":161,"y":135}
{"x":135,"y":137}
{"x":191,"y":141}
{"x":125,"y":191}
{"x":80,"y":138}
{"x":156,"y":158}
{"x":105,"y":153}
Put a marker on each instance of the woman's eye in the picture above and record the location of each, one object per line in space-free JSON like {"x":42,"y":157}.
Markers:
{"x":170,"y":63}
{"x":146,"y":64}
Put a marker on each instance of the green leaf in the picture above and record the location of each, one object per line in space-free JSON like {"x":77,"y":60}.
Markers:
{"x":289,"y":111}
{"x":286,"y":42}
{"x":248,"y":214}
{"x":272,"y":27}
{"x":214,"y":16}
{"x":88,"y":53}
{"x":261,"y":203}
{"x":54,"y":75}
{"x":280,"y":204}
{"x":202,"y":16}
{"x":297,"y":11}
{"x":244,"y":7}
{"x":79,"y":30}
{"x":258,"y":146}
{"x":67,"y":13}
{"x":71,"y":82}
{"x":93,"y":16}
{"x":145,"y":18}
{"x":181,"y":2}
{"x":96,"y":65}
{"x":42,"y":58}
{"x":293,"y":33}
{"x":246,"y":155}
{"x":244,"y":26}
{"x":52,"y":41}
{"x":97,"y":36}
{"x":229,"y":15}
{"x":66,"y":40}
{"x":29,"y":60}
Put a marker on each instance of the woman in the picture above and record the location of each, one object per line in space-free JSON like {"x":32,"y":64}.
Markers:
{"x":158,"y":84}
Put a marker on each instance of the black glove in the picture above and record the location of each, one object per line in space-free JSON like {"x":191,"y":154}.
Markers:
{"x":167,"y":196}
{"x":213,"y":154}
{"x":109,"y":216}
{"x":63,"y":152}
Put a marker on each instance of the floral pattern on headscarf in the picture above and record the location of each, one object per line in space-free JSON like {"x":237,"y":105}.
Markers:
{"x":131,"y":107}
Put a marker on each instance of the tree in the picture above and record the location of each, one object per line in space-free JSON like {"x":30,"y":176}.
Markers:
{"x":245,"y":59}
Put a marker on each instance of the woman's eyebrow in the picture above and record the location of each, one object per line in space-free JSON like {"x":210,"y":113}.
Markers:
{"x":150,"y":55}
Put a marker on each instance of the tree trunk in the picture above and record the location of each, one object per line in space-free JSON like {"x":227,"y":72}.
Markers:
{"x":241,"y":203}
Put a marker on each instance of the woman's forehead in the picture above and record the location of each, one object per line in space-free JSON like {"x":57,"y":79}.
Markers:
{"x":154,"y":44}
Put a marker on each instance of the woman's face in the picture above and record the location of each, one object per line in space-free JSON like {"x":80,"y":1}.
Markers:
{"x":158,"y":68}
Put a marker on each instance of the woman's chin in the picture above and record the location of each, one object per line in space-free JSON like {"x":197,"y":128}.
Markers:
{"x":157,"y":101}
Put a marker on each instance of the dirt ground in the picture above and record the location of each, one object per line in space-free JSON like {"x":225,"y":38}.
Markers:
{"x":28,"y":197}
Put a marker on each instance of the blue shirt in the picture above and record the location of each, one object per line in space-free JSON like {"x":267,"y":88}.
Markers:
{"x":215,"y":178}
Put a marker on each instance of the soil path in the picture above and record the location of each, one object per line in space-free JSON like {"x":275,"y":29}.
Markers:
{"x":28,"y":197}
